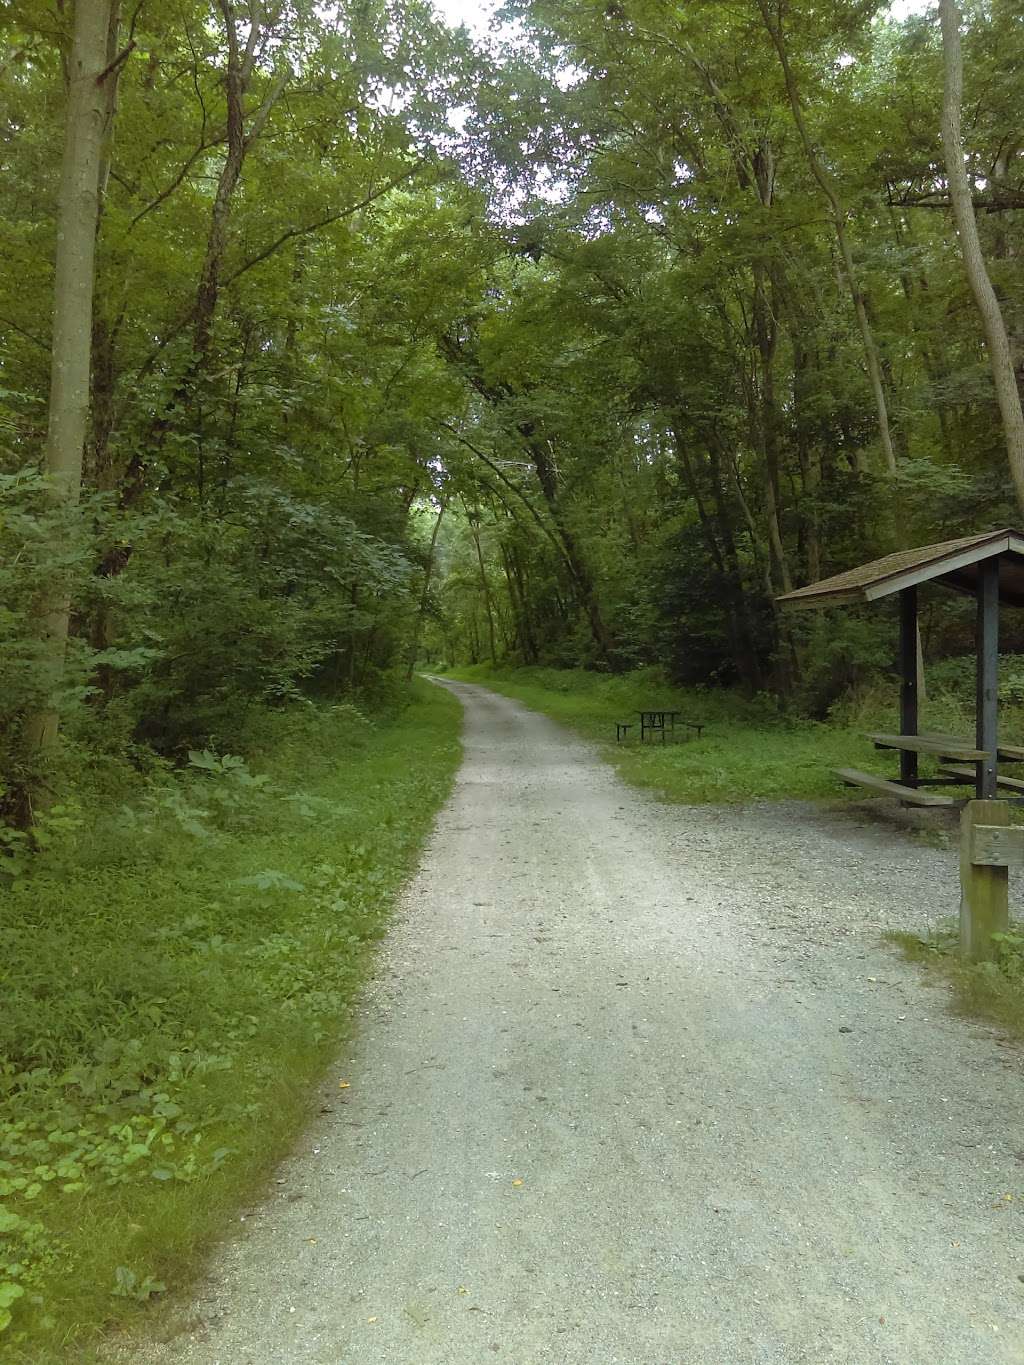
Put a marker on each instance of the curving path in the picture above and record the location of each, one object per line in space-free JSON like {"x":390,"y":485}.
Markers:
{"x":639,"y":1084}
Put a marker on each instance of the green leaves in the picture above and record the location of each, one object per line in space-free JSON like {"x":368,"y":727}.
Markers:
{"x":10,"y":1293}
{"x":129,"y":1285}
{"x":271,"y":881}
{"x":224,"y":765}
{"x":157,"y":992}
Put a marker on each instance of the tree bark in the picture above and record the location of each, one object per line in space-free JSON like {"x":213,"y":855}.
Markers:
{"x":565,"y":539}
{"x":74,"y":283}
{"x":237,"y":80}
{"x":428,"y":573}
{"x":474,"y":530}
{"x":720,"y":541}
{"x":764,"y":419}
{"x":996,"y":339}
{"x":520,"y":611}
{"x":838,"y":213}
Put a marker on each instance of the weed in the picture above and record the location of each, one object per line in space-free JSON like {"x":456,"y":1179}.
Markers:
{"x":990,"y":990}
{"x":172,"y":987}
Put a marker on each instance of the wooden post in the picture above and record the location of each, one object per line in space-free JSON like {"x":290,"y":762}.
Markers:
{"x":984,"y":902}
{"x":988,"y":674}
{"x":908,"y":682}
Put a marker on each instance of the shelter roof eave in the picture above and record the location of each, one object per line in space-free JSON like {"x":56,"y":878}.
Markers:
{"x":953,"y":563}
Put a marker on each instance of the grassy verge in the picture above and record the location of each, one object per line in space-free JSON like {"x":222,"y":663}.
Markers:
{"x":749,"y":750}
{"x":987,"y":990}
{"x":176,"y":974}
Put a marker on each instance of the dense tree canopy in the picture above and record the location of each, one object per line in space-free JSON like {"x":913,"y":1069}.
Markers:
{"x":579,"y":345}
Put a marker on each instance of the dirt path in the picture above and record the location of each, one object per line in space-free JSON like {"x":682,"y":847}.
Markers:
{"x":638,"y":1084}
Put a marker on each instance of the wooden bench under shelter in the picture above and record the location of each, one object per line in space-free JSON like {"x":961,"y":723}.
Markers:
{"x":1014,"y":784}
{"x":853,"y":777}
{"x":988,"y":567}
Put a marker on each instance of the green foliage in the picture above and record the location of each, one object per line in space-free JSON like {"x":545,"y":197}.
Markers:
{"x":1010,"y":957}
{"x":244,"y":536}
{"x":37,"y":544}
{"x":992,"y":990}
{"x":595,"y":318}
{"x":170,"y":988}
{"x":957,"y":676}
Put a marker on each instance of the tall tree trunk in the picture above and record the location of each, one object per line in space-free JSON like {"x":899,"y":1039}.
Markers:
{"x":241,"y":61}
{"x":720,"y":540}
{"x":765,"y":421}
{"x":786,"y":660}
{"x":474,"y":530}
{"x":520,"y":610}
{"x":838,"y":212}
{"x":565,"y":539}
{"x":913,"y":288}
{"x":74,"y":282}
{"x":1005,"y":248}
{"x":583,"y":580}
{"x":996,"y":338}
{"x":807,"y":453}
{"x":518,"y":576}
{"x":741,"y":624}
{"x":428,"y":573}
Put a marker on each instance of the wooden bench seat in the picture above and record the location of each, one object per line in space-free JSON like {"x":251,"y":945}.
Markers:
{"x":853,"y":777}
{"x":942,"y":746}
{"x":1013,"y":752}
{"x":968,"y":774}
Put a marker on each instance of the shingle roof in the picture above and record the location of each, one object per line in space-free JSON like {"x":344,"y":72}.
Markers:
{"x":951,"y":562}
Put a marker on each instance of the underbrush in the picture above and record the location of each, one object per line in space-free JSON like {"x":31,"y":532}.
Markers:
{"x":750,"y":749}
{"x":176,"y":970}
{"x":992,"y":990}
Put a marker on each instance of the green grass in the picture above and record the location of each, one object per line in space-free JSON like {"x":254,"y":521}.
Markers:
{"x":987,"y":990}
{"x":176,"y":974}
{"x":749,"y":750}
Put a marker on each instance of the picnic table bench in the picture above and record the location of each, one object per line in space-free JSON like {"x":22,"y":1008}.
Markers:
{"x":969,"y":775}
{"x":853,"y":777}
{"x":958,"y":766}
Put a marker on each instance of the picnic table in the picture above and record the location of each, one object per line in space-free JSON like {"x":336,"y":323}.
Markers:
{"x":658,"y":721}
{"x":654,"y":722}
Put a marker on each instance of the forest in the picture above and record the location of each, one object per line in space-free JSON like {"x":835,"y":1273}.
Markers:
{"x":339,"y":342}
{"x":577,"y":346}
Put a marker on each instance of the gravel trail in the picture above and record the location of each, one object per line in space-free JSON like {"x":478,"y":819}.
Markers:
{"x":638,"y":1083}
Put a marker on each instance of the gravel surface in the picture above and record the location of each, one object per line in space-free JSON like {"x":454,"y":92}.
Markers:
{"x":639,"y":1083}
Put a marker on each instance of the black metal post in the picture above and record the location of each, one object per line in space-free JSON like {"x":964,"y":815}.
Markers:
{"x":988,"y":675}
{"x":908,"y":682}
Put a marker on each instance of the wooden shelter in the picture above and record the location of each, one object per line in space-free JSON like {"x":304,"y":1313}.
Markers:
{"x":988,"y":567}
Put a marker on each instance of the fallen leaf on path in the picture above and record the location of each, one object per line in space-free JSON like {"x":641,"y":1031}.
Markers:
{"x":517,"y":1182}
{"x":344,"y":1085}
